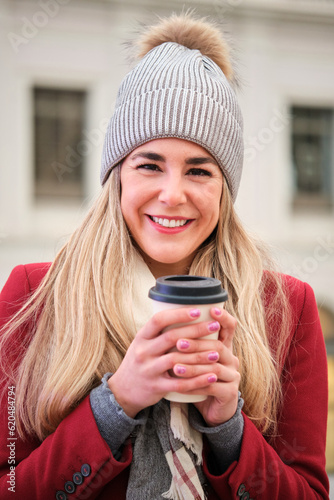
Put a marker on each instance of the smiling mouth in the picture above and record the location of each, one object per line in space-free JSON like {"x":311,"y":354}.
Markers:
{"x":170,"y":222}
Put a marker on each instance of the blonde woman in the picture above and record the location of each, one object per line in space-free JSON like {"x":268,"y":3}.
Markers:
{"x":85,"y":363}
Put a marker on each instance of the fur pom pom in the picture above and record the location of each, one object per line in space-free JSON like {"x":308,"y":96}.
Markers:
{"x":191,"y":32}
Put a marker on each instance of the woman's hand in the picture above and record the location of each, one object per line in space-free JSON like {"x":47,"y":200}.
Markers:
{"x":143,"y":377}
{"x":222,"y":402}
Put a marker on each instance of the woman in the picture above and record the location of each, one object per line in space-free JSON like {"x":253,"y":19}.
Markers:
{"x":87,"y":365}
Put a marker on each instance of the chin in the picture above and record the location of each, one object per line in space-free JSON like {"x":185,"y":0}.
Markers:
{"x":172,"y":260}
{"x":167,"y":261}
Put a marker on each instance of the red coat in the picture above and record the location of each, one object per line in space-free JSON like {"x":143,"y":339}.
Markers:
{"x":292,"y":468}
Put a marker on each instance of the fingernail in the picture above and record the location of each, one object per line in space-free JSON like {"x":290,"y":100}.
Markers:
{"x":217,"y":311}
{"x":180,"y":370}
{"x":212,"y":379}
{"x":214,"y":326}
{"x":213,"y":356}
{"x":184,"y":344}
{"x":195,"y":313}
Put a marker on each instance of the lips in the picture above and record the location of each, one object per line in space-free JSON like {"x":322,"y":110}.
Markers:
{"x":169,"y":225}
{"x":163,"y":221}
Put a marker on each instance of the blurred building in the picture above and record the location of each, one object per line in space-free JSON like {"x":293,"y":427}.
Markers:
{"x":61,"y":65}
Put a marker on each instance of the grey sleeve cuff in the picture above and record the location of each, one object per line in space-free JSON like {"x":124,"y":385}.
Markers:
{"x":224,"y":440}
{"x":113,"y":423}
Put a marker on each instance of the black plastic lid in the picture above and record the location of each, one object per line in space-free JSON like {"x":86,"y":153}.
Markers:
{"x":187,"y":289}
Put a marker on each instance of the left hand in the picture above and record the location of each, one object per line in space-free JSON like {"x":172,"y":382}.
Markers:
{"x":222,"y":400}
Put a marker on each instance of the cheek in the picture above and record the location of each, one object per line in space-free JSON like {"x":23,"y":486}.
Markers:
{"x":210,"y":202}
{"x":133,"y":201}
{"x":128,"y":204}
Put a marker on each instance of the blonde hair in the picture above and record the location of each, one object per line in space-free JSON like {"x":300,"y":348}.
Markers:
{"x":81,"y":324}
{"x":248,"y":273}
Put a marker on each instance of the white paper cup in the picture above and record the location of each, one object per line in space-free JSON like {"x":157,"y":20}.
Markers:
{"x":172,"y":292}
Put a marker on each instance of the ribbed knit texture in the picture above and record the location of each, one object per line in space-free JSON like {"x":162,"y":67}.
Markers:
{"x":177,"y":92}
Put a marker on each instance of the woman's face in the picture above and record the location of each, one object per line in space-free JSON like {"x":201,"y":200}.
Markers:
{"x":171,"y":190}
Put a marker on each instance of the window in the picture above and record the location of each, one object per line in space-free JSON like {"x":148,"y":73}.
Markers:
{"x":312,"y":155}
{"x":327,"y":323}
{"x":58,"y":123}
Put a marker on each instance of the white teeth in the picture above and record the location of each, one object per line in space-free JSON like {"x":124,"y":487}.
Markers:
{"x":169,"y":223}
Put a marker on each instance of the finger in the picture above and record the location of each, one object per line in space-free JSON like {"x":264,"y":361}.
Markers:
{"x":201,"y":346}
{"x":193,"y":345}
{"x":223,"y":356}
{"x":169,"y":338}
{"x":228,"y":325}
{"x":193,"y":331}
{"x":169,"y":360}
{"x":223,"y":373}
{"x":163,"y":319}
{"x":185,"y":385}
{"x":220,"y":390}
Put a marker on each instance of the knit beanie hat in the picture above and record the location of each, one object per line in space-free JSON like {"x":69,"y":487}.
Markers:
{"x":180,"y":88}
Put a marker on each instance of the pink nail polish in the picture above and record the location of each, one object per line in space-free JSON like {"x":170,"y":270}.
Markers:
{"x":184,"y":344}
{"x":214,"y":326}
{"x":212,"y":379}
{"x":195,"y":313}
{"x":213,"y":356}
{"x":217,"y":311}
{"x":180,"y":370}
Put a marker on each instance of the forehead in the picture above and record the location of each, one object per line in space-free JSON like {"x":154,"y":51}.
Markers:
{"x":169,"y":148}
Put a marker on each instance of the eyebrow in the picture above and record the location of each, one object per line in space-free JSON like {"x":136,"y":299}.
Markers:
{"x":198,"y":160}
{"x":201,"y":160}
{"x":149,"y":156}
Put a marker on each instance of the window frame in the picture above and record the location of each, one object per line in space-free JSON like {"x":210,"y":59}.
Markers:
{"x":63,"y":189}
{"x":318,"y":201}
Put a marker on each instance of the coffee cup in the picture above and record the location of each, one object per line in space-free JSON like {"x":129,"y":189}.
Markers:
{"x":175,"y":291}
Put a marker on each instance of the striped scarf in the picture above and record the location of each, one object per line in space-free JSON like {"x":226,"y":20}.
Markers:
{"x":167,"y":455}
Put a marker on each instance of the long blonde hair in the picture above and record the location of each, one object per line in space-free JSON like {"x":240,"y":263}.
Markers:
{"x":81,"y":327}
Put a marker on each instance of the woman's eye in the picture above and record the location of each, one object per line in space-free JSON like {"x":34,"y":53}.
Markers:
{"x":148,"y":166}
{"x":199,"y":171}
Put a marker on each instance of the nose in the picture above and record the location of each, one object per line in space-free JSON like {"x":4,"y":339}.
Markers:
{"x":172,"y":191}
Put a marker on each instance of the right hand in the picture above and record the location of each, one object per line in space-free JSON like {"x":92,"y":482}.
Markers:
{"x":142,"y":378}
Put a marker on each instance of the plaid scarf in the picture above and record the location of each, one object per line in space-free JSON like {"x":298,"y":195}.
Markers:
{"x":167,"y":455}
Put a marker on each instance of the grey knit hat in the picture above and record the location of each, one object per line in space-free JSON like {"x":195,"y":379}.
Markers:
{"x":177,"y":90}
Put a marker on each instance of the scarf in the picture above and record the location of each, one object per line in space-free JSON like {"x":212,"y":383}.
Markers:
{"x":167,"y":452}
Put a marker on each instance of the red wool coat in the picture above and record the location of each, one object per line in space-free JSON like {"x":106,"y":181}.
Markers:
{"x":77,"y":459}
